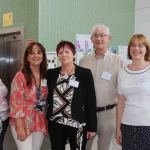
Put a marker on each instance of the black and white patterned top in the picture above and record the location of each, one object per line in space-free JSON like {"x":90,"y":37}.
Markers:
{"x":62,"y":99}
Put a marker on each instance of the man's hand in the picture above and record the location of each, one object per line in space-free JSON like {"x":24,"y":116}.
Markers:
{"x":89,"y":135}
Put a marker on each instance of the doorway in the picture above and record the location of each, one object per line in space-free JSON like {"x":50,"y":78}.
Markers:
{"x":11,"y":53}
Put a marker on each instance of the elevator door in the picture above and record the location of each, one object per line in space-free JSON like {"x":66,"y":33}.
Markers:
{"x":11,"y":55}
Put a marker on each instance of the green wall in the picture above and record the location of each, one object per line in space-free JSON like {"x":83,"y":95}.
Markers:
{"x":25,"y":13}
{"x":62,"y":19}
{"x":57,"y":20}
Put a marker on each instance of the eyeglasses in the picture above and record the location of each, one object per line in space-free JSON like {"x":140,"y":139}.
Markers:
{"x":138,"y":45}
{"x":102,"y":35}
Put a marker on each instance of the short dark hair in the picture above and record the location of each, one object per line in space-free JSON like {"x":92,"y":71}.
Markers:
{"x":26,"y":66}
{"x":61,"y":44}
{"x":142,"y":38}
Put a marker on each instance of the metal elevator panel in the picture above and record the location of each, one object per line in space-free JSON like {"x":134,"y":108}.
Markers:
{"x":11,"y":56}
{"x":3,"y":59}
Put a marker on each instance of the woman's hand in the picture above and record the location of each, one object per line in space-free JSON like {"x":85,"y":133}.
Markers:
{"x":20,"y":129}
{"x":89,"y":135}
{"x":119,"y":113}
{"x":21,"y":134}
{"x":28,"y":133}
{"x":118,"y":136}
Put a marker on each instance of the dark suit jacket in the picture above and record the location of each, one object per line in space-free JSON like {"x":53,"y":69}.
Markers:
{"x":83,"y":107}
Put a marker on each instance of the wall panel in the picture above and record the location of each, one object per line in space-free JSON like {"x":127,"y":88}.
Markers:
{"x":25,"y":13}
{"x":62,"y":19}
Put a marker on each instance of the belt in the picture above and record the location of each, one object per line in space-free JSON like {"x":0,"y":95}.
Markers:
{"x":108,"y":107}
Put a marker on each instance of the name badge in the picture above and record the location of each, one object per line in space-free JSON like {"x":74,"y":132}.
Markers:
{"x":74,"y":83}
{"x":106,"y":75}
{"x":43,"y":82}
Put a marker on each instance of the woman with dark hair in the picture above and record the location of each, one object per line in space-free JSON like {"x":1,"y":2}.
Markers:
{"x":133,"y":109}
{"x":28,"y":99}
{"x":71,"y":101}
{"x":3,"y":113}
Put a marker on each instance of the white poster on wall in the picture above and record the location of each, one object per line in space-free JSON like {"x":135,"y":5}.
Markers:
{"x":84,"y":46}
{"x":123,"y":53}
{"x":51,"y":59}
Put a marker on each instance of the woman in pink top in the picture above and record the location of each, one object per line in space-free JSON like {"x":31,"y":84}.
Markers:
{"x":28,"y":99}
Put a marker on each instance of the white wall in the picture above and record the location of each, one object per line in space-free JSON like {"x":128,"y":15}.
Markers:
{"x":142,"y":17}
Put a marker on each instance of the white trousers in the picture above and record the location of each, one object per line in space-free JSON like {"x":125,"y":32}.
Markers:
{"x":33,"y":142}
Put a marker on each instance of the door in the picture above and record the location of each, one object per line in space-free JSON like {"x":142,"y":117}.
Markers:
{"x":11,"y":56}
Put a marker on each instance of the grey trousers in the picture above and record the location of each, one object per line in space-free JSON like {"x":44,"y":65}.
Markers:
{"x":106,"y":121}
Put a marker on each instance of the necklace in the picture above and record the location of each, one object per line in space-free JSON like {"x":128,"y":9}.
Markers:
{"x":69,"y":73}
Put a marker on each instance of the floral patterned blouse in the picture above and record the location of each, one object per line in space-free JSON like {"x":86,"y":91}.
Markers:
{"x":23,"y":101}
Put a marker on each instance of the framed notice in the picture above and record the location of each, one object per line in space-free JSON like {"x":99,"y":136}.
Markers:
{"x":123,"y":53}
{"x":51,"y":59}
{"x":7,"y":19}
{"x":84,"y":45}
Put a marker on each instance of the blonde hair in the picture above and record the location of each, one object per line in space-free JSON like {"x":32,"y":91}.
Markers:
{"x":141,"y":38}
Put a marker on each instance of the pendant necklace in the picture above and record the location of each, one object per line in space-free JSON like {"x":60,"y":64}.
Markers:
{"x":67,"y":75}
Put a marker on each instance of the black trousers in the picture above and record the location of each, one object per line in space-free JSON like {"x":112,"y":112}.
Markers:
{"x":4,"y":128}
{"x":59,"y":134}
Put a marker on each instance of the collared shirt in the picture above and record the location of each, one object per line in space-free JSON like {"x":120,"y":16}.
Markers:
{"x":105,"y":70}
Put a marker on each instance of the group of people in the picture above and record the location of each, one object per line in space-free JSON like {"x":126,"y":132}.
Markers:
{"x":100,"y":96}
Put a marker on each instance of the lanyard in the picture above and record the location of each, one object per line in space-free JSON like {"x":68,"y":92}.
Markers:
{"x":40,"y":102}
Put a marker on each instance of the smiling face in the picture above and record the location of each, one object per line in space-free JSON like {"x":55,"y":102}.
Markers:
{"x":35,"y":56}
{"x":65,"y":55}
{"x":137,"y":50}
{"x":100,"y":39}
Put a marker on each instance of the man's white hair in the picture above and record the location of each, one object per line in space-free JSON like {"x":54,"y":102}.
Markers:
{"x":100,"y":26}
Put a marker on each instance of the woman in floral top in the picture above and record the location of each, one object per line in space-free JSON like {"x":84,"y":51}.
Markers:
{"x":27,"y":100}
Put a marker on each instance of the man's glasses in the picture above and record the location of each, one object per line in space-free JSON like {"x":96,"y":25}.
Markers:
{"x":138,"y":45}
{"x":99,"y":35}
